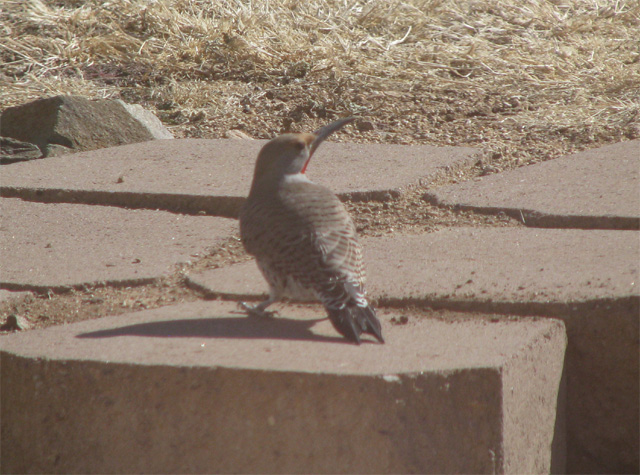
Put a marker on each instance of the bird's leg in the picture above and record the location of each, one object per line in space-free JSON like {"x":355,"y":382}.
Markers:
{"x":259,"y":310}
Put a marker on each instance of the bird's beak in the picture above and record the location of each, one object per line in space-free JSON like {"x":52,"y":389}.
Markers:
{"x":323,"y":132}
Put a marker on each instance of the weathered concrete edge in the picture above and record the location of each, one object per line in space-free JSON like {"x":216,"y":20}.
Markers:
{"x":213,"y":205}
{"x":436,"y":302}
{"x":222,"y":206}
{"x":628,"y":303}
{"x":536,"y":219}
{"x":501,"y":445}
{"x":12,"y":459}
{"x":518,"y":424}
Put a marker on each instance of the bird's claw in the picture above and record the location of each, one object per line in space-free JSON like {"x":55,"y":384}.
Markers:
{"x":256,"y":311}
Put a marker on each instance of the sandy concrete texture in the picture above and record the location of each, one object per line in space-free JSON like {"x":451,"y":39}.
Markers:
{"x":598,"y":188}
{"x":199,"y":388}
{"x":589,"y":279}
{"x":52,"y":246}
{"x":517,"y":265}
{"x":192,"y":175}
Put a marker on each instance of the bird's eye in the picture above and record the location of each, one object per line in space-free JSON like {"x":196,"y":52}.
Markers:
{"x":298,"y":145}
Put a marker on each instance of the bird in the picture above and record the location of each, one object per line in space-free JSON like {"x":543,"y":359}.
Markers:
{"x":302,"y":237}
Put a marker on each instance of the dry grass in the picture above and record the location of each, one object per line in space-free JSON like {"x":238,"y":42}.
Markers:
{"x":526,"y":81}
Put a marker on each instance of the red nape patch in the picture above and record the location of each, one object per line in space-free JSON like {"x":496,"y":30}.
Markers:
{"x":307,"y":140}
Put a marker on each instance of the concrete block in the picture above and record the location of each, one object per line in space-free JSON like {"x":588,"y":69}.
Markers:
{"x":192,"y":175}
{"x":595,"y":189}
{"x":589,"y":279}
{"x":491,"y":265}
{"x":198,"y":388}
{"x":45,"y":246}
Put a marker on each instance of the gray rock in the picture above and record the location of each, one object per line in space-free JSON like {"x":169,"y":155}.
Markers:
{"x":15,"y":323}
{"x":55,"y":150}
{"x":147,"y":119}
{"x":12,"y":150}
{"x":78,"y":123}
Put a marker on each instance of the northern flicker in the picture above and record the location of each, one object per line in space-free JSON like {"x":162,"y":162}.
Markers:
{"x":302,"y":237}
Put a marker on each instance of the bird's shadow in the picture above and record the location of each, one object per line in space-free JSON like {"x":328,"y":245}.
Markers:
{"x":246,"y":327}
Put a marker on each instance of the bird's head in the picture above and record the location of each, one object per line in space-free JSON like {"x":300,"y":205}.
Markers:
{"x":289,"y":154}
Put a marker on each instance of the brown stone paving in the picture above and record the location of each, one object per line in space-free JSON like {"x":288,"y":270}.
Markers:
{"x":587,"y":278}
{"x":598,"y":188}
{"x":281,"y":394}
{"x":479,"y":264}
{"x":214,"y":175}
{"x":52,"y":246}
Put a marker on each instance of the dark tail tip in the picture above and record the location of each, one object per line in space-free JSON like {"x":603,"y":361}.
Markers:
{"x":351,"y":321}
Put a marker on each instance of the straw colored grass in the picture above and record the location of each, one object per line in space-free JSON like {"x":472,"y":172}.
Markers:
{"x":525,"y":81}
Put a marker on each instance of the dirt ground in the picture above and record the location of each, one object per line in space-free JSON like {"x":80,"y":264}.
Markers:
{"x":522,"y":82}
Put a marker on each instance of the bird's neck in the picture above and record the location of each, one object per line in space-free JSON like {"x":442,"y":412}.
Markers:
{"x":295,"y":178}
{"x":273,"y":185}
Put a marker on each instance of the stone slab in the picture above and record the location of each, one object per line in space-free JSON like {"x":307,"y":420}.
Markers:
{"x":191,"y":175}
{"x":515,"y":265}
{"x":52,"y":246}
{"x":589,"y":279}
{"x":599,"y":188}
{"x":199,"y":388}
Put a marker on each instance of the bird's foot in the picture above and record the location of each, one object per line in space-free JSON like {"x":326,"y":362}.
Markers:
{"x":256,"y":310}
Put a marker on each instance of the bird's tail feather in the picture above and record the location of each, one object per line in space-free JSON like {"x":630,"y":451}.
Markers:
{"x":352,"y":320}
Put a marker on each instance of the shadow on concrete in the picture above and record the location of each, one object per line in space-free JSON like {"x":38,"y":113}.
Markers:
{"x":277,"y":328}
